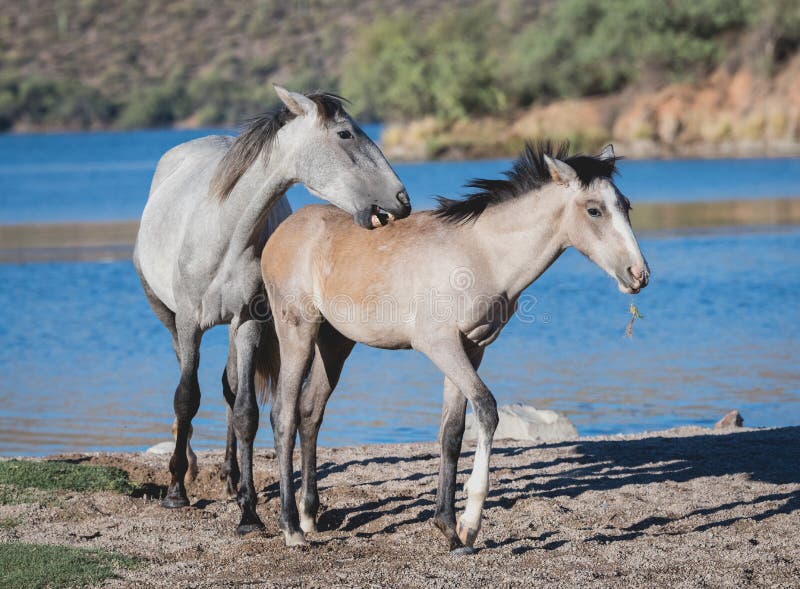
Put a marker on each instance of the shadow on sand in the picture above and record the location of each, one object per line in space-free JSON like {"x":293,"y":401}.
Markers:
{"x":770,"y":456}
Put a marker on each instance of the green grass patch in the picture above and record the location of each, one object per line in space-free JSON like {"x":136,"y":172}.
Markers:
{"x":7,"y":523}
{"x":57,"y":475}
{"x":11,"y":495}
{"x":38,"y":565}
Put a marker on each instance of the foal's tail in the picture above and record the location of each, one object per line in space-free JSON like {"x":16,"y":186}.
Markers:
{"x":268,"y":362}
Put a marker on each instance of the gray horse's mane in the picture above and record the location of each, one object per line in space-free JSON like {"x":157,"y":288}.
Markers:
{"x":257,"y":137}
{"x":528,"y":173}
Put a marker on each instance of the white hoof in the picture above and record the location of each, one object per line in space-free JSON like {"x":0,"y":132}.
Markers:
{"x":467,"y":531}
{"x":295,"y":539}
{"x":307,"y":524}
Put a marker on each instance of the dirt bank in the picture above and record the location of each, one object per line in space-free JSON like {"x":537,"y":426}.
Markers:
{"x":686,"y":507}
{"x":735,"y":112}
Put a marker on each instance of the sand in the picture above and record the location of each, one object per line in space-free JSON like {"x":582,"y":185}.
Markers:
{"x":688,"y":507}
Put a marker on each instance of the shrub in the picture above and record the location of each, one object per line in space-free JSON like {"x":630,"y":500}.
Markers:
{"x":584,"y":47}
{"x":397,"y":70}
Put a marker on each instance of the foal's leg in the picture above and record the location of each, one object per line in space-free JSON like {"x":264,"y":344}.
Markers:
{"x":230,"y":467}
{"x":451,"y":434}
{"x":245,"y":421}
{"x":186,"y":404}
{"x":449,"y":355}
{"x":332,"y":350}
{"x":296,"y":336}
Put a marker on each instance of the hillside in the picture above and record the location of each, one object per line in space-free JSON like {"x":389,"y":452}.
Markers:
{"x":694,"y":77}
{"x":138,"y":63}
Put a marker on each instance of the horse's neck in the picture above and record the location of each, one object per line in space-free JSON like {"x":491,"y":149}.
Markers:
{"x":250,"y":202}
{"x":521,"y":238}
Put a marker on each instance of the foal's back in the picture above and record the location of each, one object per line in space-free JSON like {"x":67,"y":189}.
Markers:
{"x":319,"y":248}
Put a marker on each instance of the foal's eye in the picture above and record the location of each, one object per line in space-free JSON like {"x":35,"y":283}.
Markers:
{"x":593,"y":212}
{"x":345,"y":134}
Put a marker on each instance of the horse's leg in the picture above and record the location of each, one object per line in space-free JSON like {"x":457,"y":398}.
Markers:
{"x":230,"y":467}
{"x":296,"y":336}
{"x":167,"y":317}
{"x":245,"y":421}
{"x":190,"y":455}
{"x":451,"y":358}
{"x":186,"y":404}
{"x":332,"y":350}
{"x":451,"y":434}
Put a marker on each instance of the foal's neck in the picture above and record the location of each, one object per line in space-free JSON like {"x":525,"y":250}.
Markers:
{"x":522,"y":237}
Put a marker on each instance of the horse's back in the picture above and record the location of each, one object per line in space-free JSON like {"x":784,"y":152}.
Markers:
{"x":181,"y":180}
{"x":206,"y":149}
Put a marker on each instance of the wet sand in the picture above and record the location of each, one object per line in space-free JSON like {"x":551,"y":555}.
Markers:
{"x":687,"y":507}
{"x":113,"y":240}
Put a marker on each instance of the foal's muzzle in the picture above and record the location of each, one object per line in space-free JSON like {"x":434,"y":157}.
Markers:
{"x":636,"y":278}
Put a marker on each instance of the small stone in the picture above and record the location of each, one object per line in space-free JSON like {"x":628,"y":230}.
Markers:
{"x":731,"y":419}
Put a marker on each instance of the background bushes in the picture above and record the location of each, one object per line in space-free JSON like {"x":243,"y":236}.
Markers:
{"x":84,"y":64}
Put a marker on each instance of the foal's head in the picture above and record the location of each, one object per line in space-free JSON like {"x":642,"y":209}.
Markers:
{"x":596,"y":219}
{"x":324,"y":149}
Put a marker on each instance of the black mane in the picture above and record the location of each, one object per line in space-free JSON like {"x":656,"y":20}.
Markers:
{"x":528,"y":173}
{"x":258,"y":135}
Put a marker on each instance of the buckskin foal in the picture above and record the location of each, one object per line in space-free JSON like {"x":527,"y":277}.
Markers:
{"x":443,"y":282}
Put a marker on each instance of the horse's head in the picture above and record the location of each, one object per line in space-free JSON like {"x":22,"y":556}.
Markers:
{"x":336,"y":160}
{"x":596,"y":219}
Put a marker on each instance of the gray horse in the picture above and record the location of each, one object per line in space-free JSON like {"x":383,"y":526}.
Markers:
{"x":213,"y":203}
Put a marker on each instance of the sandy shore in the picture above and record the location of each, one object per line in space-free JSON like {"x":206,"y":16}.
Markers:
{"x":688,"y":507}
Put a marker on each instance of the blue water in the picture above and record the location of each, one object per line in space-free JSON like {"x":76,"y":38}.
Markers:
{"x":87,"y":366}
{"x":101,"y":176}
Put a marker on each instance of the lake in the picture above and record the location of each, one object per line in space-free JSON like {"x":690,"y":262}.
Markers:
{"x":89,"y":367}
{"x":102,"y":176}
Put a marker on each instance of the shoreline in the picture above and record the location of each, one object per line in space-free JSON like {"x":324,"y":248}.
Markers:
{"x":688,"y":506}
{"x":113,"y":240}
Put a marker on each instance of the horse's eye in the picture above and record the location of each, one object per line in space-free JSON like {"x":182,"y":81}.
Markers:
{"x":345,"y":134}
{"x":593,"y":212}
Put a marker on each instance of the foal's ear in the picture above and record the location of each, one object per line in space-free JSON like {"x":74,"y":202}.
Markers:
{"x":296,"y":103}
{"x":607,"y":153}
{"x":560,"y":172}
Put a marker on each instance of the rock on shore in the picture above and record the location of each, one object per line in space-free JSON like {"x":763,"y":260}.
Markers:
{"x":525,"y":423}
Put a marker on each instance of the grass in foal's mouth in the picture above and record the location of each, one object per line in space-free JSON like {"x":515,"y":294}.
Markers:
{"x":21,"y":481}
{"x":39,"y":565}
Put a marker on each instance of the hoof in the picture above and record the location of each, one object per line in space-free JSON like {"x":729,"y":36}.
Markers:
{"x":295,"y":539}
{"x":463,"y":551}
{"x":466,"y":534}
{"x":174,"y":502}
{"x":308,"y":525}
{"x":249,"y":529}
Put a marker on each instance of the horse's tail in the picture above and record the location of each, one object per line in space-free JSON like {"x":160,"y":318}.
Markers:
{"x":268,"y":362}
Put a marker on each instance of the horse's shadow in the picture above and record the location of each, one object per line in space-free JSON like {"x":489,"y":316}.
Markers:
{"x":770,"y":456}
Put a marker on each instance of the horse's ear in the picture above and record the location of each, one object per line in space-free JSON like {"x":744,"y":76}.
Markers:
{"x":297,"y":103}
{"x":607,"y":153}
{"x":560,"y":172}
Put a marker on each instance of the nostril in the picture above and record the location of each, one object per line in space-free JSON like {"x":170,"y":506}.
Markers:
{"x":636,"y":272}
{"x":402,"y":197}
